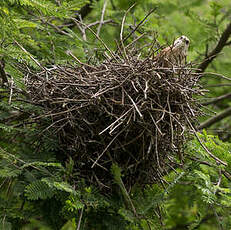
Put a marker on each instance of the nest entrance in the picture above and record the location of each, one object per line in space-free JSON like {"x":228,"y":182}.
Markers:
{"x":130,"y":113}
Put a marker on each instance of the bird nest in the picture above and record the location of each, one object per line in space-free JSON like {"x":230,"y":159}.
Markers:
{"x":133,"y":113}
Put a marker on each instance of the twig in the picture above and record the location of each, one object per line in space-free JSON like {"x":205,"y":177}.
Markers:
{"x":217,"y":75}
{"x":203,"y":146}
{"x":81,"y":63}
{"x":220,"y":45}
{"x":99,"y":22}
{"x":170,"y":118}
{"x":58,"y":29}
{"x":80,"y":218}
{"x":156,"y":124}
{"x":146,"y":89}
{"x":26,"y":52}
{"x":217,"y":99}
{"x":128,"y":197}
{"x":11,"y":89}
{"x":134,"y":41}
{"x":140,"y":23}
{"x":3,"y":74}
{"x":219,"y":85}
{"x":103,"y":43}
{"x":102,"y":16}
{"x":112,"y":124}
{"x":216,"y":118}
{"x":122,"y":28}
{"x":138,"y":111}
{"x":107,"y":147}
{"x":82,"y":28}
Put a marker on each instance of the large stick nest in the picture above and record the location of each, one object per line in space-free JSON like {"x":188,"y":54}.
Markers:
{"x":133,"y":113}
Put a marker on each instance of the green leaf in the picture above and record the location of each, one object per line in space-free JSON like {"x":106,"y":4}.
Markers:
{"x":39,"y":190}
{"x":21,"y":23}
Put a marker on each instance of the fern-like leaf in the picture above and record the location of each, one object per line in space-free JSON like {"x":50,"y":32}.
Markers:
{"x":39,"y":190}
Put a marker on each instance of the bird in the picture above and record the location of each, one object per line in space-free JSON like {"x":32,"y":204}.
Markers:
{"x":175,"y":54}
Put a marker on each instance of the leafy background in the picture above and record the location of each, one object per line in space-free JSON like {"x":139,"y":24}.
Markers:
{"x":38,"y":190}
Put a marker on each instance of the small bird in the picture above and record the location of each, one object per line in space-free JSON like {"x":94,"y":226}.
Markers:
{"x":175,"y":54}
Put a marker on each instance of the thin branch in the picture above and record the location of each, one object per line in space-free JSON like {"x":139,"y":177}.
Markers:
{"x":81,"y":63}
{"x":128,"y":197}
{"x":228,"y":43}
{"x":57,"y":28}
{"x":116,"y":121}
{"x":220,"y":45}
{"x":135,"y":106}
{"x":26,"y":52}
{"x":122,"y":28}
{"x":202,"y":144}
{"x":101,"y":22}
{"x":141,"y":22}
{"x":217,"y":99}
{"x":80,"y":218}
{"x":83,"y":12}
{"x":215,"y":119}
{"x":98,"y":158}
{"x":102,"y":16}
{"x":135,"y":40}
{"x":11,"y":84}
{"x":218,"y":85}
{"x":3,"y":74}
{"x":217,"y":75}
{"x":92,"y":31}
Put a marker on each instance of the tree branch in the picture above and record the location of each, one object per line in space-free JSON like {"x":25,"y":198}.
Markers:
{"x":217,"y":99}
{"x":83,"y":12}
{"x":102,"y":16}
{"x":215,"y":119}
{"x":218,"y":85}
{"x":228,"y":43}
{"x":220,"y":45}
{"x":3,"y":74}
{"x":140,"y":23}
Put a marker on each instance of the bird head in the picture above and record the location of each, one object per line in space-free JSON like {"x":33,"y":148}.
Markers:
{"x":182,"y":41}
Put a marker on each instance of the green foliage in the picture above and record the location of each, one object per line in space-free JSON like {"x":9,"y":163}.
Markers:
{"x":201,"y":194}
{"x":24,"y":26}
{"x":39,"y":188}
